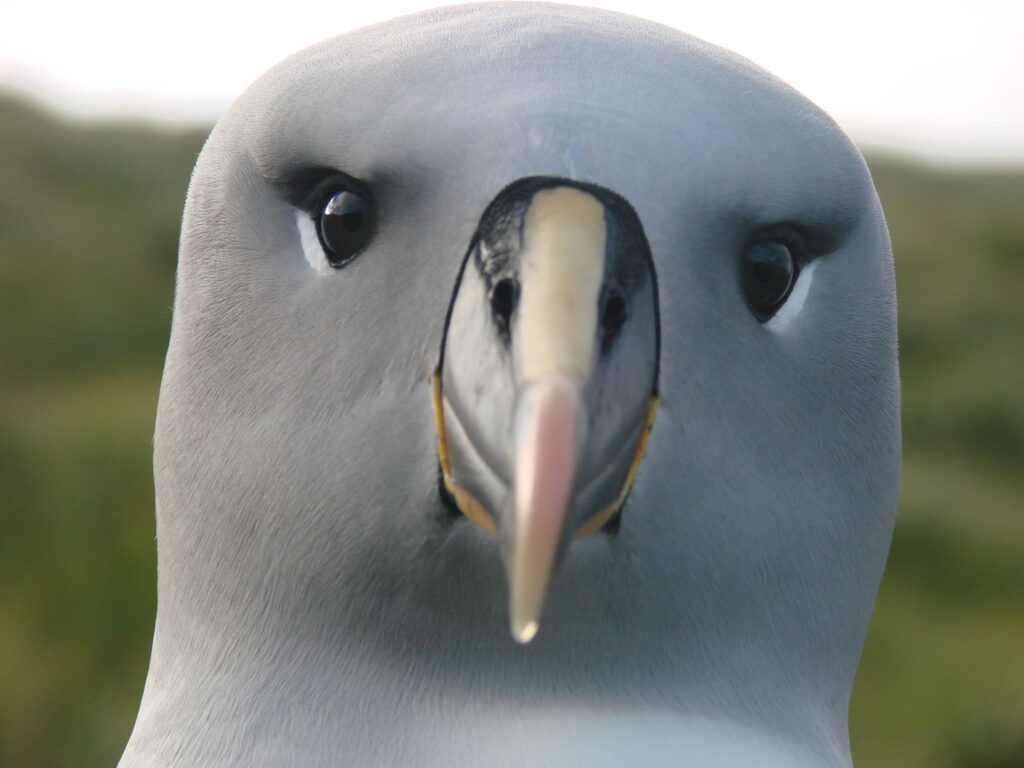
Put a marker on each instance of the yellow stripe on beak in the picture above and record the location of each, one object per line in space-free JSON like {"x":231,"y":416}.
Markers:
{"x":560,"y":279}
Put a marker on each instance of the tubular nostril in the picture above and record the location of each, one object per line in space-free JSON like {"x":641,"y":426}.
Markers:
{"x":612,"y":318}
{"x":504,"y":295}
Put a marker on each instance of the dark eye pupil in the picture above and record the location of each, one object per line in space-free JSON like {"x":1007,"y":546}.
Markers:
{"x":345,"y":226}
{"x":351,"y":222}
{"x":767,"y":274}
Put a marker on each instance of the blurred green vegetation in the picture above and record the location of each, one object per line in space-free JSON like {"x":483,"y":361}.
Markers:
{"x":88,"y":239}
{"x":88,"y":233}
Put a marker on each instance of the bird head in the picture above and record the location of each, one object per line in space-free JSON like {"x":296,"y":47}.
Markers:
{"x":508,"y":312}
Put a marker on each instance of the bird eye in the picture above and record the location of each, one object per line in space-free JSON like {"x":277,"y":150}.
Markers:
{"x":345,"y":226}
{"x":767,"y":273}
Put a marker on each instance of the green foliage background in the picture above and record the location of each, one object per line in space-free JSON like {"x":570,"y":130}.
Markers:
{"x":88,"y":234}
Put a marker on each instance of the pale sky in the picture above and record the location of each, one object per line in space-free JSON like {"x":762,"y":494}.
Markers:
{"x":940,"y":80}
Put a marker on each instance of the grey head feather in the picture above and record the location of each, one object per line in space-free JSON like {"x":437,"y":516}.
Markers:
{"x":316,"y":605}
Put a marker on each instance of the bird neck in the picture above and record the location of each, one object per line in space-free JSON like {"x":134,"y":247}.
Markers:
{"x":266,"y":691}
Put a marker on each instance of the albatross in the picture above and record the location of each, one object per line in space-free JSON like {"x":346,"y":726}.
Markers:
{"x":531,"y":399}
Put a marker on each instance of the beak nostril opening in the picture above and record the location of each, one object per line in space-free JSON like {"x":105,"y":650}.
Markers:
{"x":613,"y":316}
{"x":504,"y":296}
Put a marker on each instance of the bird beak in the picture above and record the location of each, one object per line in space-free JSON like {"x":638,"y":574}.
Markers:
{"x":544,"y":481}
{"x":549,"y":422}
{"x":554,"y":339}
